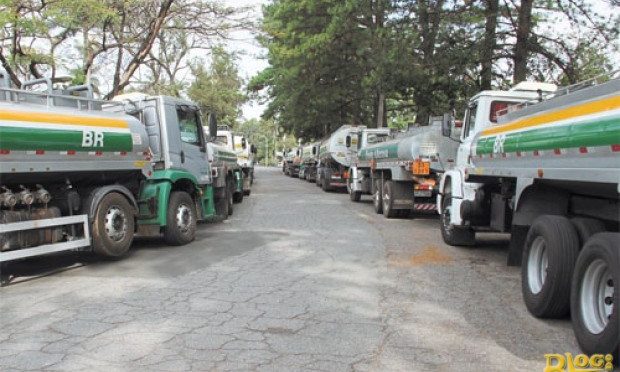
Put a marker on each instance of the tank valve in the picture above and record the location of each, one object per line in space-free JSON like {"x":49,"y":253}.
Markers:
{"x":7,"y":198}
{"x":42,"y":195}
{"x":25,"y":196}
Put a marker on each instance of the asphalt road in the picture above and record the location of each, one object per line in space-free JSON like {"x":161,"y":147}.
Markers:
{"x":297,"y":279}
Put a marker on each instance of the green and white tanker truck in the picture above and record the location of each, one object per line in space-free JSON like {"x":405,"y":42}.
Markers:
{"x":227,"y":177}
{"x":309,"y":160}
{"x":335,"y":157}
{"x":403,"y":173}
{"x":245,"y":154}
{"x":79,"y":173}
{"x":548,"y":172}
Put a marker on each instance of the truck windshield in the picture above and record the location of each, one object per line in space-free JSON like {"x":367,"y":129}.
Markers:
{"x":222,"y":139}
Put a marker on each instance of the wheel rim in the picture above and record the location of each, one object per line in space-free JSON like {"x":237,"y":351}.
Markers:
{"x":445,"y":218}
{"x":377,"y":197}
{"x":386,"y":199}
{"x":537,"y":264}
{"x":596,"y":297}
{"x":183,"y":218}
{"x":115,"y":223}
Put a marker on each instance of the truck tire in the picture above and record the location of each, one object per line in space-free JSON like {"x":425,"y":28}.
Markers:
{"x":454,"y":235}
{"x":325,"y":184}
{"x":595,"y":298}
{"x":586,"y":227}
{"x":113,"y":226}
{"x":388,"y":200}
{"x":318,"y":180}
{"x":221,"y":204}
{"x":355,"y":196}
{"x":230,"y":186}
{"x":238,"y":197}
{"x":377,"y":201}
{"x":180,"y":219}
{"x":549,"y":255}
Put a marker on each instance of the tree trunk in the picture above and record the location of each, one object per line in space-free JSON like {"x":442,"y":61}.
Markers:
{"x":489,"y":44}
{"x":521,"y":53}
{"x":381,"y":110}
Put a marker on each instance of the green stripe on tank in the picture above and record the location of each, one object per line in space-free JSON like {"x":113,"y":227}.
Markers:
{"x":389,"y":151}
{"x":590,"y":134}
{"x":14,"y":138}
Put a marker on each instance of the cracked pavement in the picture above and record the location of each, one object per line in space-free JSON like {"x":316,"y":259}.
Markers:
{"x":297,"y":279}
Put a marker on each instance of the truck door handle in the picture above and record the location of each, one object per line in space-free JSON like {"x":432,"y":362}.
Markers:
{"x":182,"y":156}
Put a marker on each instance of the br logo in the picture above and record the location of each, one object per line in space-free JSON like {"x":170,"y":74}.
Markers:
{"x":578,"y":363}
{"x":92,"y":139}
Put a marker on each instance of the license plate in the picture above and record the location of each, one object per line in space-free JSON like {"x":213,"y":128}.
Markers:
{"x":421,"y":167}
{"x":423,"y":193}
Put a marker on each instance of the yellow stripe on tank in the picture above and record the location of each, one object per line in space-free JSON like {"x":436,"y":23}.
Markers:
{"x":588,"y":108}
{"x":51,"y":118}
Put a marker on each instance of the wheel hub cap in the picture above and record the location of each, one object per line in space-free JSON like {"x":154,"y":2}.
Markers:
{"x":597,"y":296}
{"x":115,"y":223}
{"x":537,"y":265}
{"x":183,"y":217}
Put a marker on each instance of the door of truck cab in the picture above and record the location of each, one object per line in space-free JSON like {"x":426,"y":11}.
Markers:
{"x":192,"y":144}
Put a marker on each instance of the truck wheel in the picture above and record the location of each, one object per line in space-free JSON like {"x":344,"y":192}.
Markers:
{"x":454,"y":235}
{"x":388,"y":200}
{"x":355,"y":196}
{"x":325,"y":184}
{"x":549,"y":255}
{"x":238,"y":197}
{"x":318,"y":179}
{"x":113,"y":227}
{"x":247,"y":192}
{"x":221,"y":204}
{"x":595,"y":297}
{"x":586,"y":227}
{"x":229,"y":195}
{"x":180,"y":219}
{"x":377,"y":201}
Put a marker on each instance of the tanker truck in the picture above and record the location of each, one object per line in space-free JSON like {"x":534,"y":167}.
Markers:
{"x":359,"y":181}
{"x":548,"y":172}
{"x":309,"y":160}
{"x":292,"y":162}
{"x":78,"y":173}
{"x":335,"y":158}
{"x":403,"y":173}
{"x":227,"y":177}
{"x":245,"y":154}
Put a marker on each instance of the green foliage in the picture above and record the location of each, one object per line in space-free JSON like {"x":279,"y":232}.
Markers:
{"x":332,"y":62}
{"x":266,"y":136}
{"x":217,"y":88}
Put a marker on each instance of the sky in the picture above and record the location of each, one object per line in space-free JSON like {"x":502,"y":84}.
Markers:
{"x":250,"y":53}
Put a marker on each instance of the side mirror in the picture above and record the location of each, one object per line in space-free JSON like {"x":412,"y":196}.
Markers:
{"x":212,"y":125}
{"x":244,"y":143}
{"x":313,"y":150}
{"x":253,"y":149}
{"x":446,"y":125}
{"x":348,"y":141}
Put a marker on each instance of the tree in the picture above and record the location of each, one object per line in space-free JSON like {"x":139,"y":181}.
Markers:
{"x":217,"y":88}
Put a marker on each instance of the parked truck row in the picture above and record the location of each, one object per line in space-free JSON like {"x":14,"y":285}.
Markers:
{"x":539,"y":163}
{"x":79,"y":173}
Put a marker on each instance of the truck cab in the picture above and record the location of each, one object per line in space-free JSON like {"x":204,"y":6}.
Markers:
{"x":360,"y":178}
{"x":181,"y":173}
{"x":483,"y":111}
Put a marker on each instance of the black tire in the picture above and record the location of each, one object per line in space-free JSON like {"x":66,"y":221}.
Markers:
{"x":325,"y":181}
{"x":388,"y":200}
{"x":600,"y":248}
{"x":221,"y":204}
{"x":238,"y":197}
{"x":230,"y":195}
{"x":318,"y":180}
{"x":113,"y":226}
{"x":586,"y":227}
{"x":551,"y":241}
{"x":454,"y":235}
{"x":247,"y":192}
{"x":377,"y":201}
{"x":354,"y":196}
{"x":180,"y":219}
